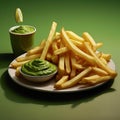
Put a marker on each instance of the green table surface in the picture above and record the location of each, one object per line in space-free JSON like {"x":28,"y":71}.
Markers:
{"x":101,"y":18}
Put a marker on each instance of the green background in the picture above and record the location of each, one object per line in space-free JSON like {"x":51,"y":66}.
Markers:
{"x":101,"y":18}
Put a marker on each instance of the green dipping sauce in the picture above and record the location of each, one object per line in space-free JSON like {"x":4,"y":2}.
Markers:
{"x":38,"y":67}
{"x":23,"y":29}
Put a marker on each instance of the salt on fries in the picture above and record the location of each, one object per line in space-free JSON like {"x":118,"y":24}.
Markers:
{"x":77,"y":58}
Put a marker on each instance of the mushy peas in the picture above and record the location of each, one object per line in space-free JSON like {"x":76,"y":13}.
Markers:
{"x":38,"y":67}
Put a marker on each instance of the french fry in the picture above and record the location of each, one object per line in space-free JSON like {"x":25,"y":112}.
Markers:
{"x":17,"y":72}
{"x":61,"y":65}
{"x":79,"y":66}
{"x":33,"y":51}
{"x":107,"y":57}
{"x":99,"y":62}
{"x":75,"y":49}
{"x":17,"y":64}
{"x":79,"y":44}
{"x":103,"y":60}
{"x":99,"y":71}
{"x":55,"y":59}
{"x":98,"y":45}
{"x":49,"y":40}
{"x":60,"y":51}
{"x":25,"y":58}
{"x":67,"y":63}
{"x":74,"y":36}
{"x":57,"y":36}
{"x":54,"y":45}
{"x":49,"y":56}
{"x":87,"y":79}
{"x":97,"y":79}
{"x":61,"y":81}
{"x":73,"y":71}
{"x":75,"y":79}
{"x":99,"y":54}
{"x":37,"y":49}
{"x":88,"y":38}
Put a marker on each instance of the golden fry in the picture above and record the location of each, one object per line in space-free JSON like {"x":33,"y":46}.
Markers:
{"x":79,"y":44}
{"x":48,"y":56}
{"x":54,"y":45}
{"x":107,"y":57}
{"x":17,"y":72}
{"x":67,"y":63}
{"x":74,"y":36}
{"x":86,"y":79}
{"x":78,"y":66}
{"x":37,"y":49}
{"x":99,"y":71}
{"x":75,"y":49}
{"x":75,"y":79}
{"x":103,"y":60}
{"x":25,"y":58}
{"x":49,"y":40}
{"x":17,"y":64}
{"x":61,"y":81}
{"x":97,"y":79}
{"x":88,"y":38}
{"x":57,"y":36}
{"x":61,"y":65}
{"x":99,"y":62}
{"x":60,"y":51}
{"x":73,"y":71}
{"x":33,"y":51}
{"x":98,"y":45}
{"x":55,"y":59}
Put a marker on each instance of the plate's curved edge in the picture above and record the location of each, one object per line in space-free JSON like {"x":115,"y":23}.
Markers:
{"x":50,"y":87}
{"x":69,"y":90}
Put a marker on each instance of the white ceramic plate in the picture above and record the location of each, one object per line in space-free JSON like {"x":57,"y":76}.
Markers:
{"x":49,"y":85}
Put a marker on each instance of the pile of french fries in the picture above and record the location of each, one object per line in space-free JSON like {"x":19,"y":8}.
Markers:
{"x":78,"y":59}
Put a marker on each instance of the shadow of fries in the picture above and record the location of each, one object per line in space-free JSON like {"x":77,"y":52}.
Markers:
{"x":18,"y":94}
